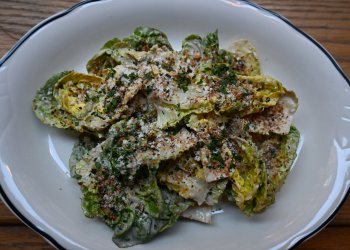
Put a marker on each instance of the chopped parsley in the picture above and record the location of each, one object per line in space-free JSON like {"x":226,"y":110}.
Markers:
{"x":113,"y":104}
{"x":215,"y":147}
{"x":149,"y":76}
{"x":148,"y":89}
{"x":183,"y":81}
{"x":167,"y":66}
{"x":226,"y":74}
{"x":131,"y":77}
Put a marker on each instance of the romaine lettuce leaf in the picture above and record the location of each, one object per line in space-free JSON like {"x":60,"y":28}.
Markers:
{"x":252,"y":94}
{"x":74,"y":91}
{"x":216,"y":192}
{"x":192,"y":46}
{"x":276,"y":119}
{"x":246,"y":60}
{"x":279,"y":153}
{"x":136,"y":211}
{"x":249,"y":178}
{"x":46,"y":107}
{"x":188,"y":185}
{"x":80,"y":149}
{"x":206,"y":48}
{"x":170,"y":116}
{"x":104,"y":58}
{"x":144,"y":38}
{"x":132,"y":145}
{"x":186,"y":176}
{"x":199,"y":213}
{"x":93,"y":102}
{"x":145,"y":227}
{"x":111,"y":54}
{"x":246,"y":95}
{"x":207,"y":125}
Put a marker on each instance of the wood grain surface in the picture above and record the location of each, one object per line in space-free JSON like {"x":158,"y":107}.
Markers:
{"x":327,"y":21}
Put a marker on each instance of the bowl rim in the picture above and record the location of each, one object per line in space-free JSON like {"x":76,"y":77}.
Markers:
{"x":50,"y":239}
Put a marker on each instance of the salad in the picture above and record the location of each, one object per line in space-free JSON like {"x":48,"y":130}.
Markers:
{"x":165,"y":134}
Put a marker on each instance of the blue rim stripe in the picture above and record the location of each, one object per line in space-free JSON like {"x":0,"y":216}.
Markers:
{"x":67,"y":11}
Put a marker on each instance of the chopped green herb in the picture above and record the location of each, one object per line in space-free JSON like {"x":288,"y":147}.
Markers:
{"x":226,"y":74}
{"x":113,"y":104}
{"x":148,"y":89}
{"x":183,"y":81}
{"x":167,"y":66}
{"x":149,"y":76}
{"x":131,"y":77}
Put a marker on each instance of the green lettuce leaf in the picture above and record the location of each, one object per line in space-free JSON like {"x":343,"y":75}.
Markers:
{"x":279,"y":153}
{"x":145,"y":227}
{"x":46,"y":107}
{"x":211,"y":45}
{"x":93,"y":102}
{"x":144,"y":38}
{"x":136,"y":210}
{"x":192,"y":46}
{"x":111,"y":54}
{"x":245,"y":60}
{"x":105,"y":58}
{"x":133,"y":144}
{"x":186,"y":177}
{"x":206,"y":48}
{"x":170,"y":116}
{"x":249,"y":178}
{"x":68,"y":90}
{"x":276,"y":119}
{"x":80,"y":149}
{"x":215,"y":194}
{"x":251,"y":94}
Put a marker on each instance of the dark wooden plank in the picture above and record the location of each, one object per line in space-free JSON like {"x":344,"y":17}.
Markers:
{"x":6,"y":216}
{"x":331,"y":238}
{"x":17,"y":16}
{"x":18,"y":237}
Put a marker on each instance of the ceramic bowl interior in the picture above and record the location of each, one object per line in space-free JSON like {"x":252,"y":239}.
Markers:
{"x":34,"y":173}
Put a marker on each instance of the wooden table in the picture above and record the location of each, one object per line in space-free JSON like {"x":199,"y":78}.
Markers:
{"x":327,"y":21}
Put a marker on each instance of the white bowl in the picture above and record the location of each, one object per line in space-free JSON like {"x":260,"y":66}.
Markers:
{"x":34,"y":176}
